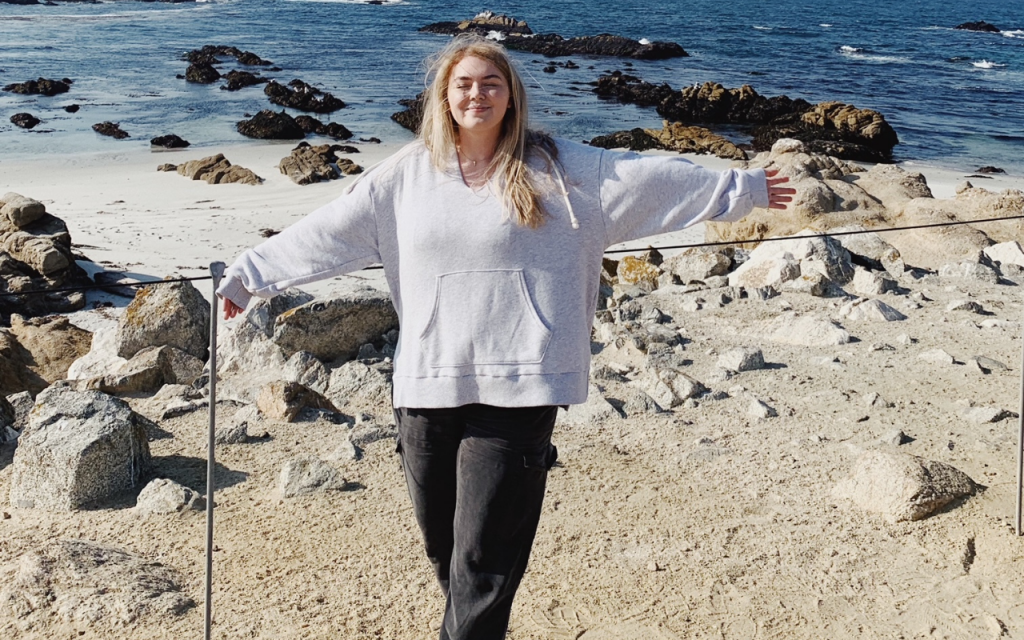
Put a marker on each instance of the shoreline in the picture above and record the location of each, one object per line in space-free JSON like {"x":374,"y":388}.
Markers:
{"x":124,"y":215}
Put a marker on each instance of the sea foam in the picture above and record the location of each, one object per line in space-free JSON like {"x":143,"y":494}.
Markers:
{"x":985,"y":64}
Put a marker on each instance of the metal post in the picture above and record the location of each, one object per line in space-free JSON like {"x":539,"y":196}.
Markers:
{"x":217,"y":271}
{"x":1020,"y":443}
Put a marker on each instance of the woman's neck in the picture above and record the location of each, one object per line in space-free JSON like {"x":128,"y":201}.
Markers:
{"x":477,"y":150}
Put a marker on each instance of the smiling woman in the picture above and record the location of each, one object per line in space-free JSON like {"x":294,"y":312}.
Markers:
{"x":492,"y":237}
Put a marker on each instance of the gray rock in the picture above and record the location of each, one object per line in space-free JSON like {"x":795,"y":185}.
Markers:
{"x":167,"y":496}
{"x":872,"y":399}
{"x":594,"y":411}
{"x":937,"y":356}
{"x":21,"y":211}
{"x":148,"y":370}
{"x":876,"y":251}
{"x":870,"y":310}
{"x":873,"y":283}
{"x":306,"y":475}
{"x":969,"y":270}
{"x":965,"y":305}
{"x":985,"y":415}
{"x":742,"y":359}
{"x":336,"y":328}
{"x":903,"y":487}
{"x":174,"y":315}
{"x":806,"y":330}
{"x":347,"y":451}
{"x":896,"y":437}
{"x":639,"y":403}
{"x":236,"y":430}
{"x":670,"y":388}
{"x":813,"y":284}
{"x":1006,"y":253}
{"x":699,"y":263}
{"x":303,"y":367}
{"x":367,"y":433}
{"x":983,"y":363}
{"x":88,"y":585}
{"x":79,"y":447}
{"x":8,"y":418}
{"x":769,"y":272}
{"x":282,"y":400}
{"x":22,"y":404}
{"x":760,"y":410}
{"x":355,"y":381}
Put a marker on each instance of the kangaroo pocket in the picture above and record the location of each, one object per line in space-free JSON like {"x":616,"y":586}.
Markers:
{"x":483,"y":317}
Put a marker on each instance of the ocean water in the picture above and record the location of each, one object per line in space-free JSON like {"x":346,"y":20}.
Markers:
{"x":955,"y":98}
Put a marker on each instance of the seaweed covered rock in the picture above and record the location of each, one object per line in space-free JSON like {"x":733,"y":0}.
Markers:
{"x":271,"y":125}
{"x":302,"y":96}
{"x":42,"y":86}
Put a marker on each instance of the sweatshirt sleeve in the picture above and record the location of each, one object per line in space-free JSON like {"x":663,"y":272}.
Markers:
{"x":646,"y":195}
{"x":337,"y":238}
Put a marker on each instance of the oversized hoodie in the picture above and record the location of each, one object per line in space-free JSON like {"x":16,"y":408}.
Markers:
{"x":490,"y":311}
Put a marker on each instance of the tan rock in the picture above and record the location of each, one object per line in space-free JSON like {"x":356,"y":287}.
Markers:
{"x":173,"y":314}
{"x":679,"y":137}
{"x":19,"y":210}
{"x":285,"y":400}
{"x":52,"y":343}
{"x":217,"y":170}
{"x":634,"y":270}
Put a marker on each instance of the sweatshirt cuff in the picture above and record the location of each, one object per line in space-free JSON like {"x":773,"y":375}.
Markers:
{"x":233,"y":289}
{"x":758,"y":188}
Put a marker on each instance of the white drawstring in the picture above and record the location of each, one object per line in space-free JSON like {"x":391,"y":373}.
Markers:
{"x":561,"y":184}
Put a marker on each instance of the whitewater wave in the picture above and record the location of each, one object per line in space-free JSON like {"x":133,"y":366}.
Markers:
{"x":760,"y":28}
{"x":858,"y":53}
{"x":1018,"y":33}
{"x":824,"y":25}
{"x":985,"y":64}
{"x":644,"y":41}
{"x":849,"y":49}
{"x":497,"y":36}
{"x":380,"y":2}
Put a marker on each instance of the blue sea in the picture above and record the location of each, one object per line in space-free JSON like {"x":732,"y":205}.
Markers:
{"x":956,"y":98}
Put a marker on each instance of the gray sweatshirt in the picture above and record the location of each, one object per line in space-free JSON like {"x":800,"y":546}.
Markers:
{"x":492,"y":312}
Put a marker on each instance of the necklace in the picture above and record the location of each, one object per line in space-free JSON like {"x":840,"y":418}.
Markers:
{"x":467,"y":158}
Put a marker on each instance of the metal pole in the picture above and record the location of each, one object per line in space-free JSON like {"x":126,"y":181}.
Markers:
{"x":1020,"y":444}
{"x":217,"y":271}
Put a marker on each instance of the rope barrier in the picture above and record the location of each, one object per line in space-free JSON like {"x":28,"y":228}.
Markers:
{"x":609,"y":251}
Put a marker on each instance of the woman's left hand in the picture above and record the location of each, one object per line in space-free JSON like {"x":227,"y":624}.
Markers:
{"x":778,"y":197}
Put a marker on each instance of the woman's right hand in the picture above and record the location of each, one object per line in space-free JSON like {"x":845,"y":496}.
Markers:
{"x":231,"y":309}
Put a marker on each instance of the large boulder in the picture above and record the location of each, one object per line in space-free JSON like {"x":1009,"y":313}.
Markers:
{"x":42,"y":86}
{"x":903,"y":487}
{"x":676,"y":136}
{"x":148,"y":370}
{"x":356,"y":382}
{"x":173,"y":314}
{"x":302,"y":96}
{"x":247,"y":346}
{"x":89,"y":585}
{"x":217,"y":170}
{"x":21,"y":211}
{"x":79,"y":447}
{"x":335,"y":329}
{"x":51,"y":343}
{"x":271,"y":125}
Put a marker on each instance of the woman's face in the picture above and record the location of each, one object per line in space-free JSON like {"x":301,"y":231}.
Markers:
{"x":478,"y":95}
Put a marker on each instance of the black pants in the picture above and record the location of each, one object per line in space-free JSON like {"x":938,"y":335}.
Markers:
{"x":476,"y":476}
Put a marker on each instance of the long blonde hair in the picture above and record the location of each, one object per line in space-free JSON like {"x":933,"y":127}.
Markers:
{"x":519,"y":194}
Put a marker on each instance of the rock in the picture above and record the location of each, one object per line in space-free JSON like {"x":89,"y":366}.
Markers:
{"x":72,"y":108}
{"x":304,"y":97}
{"x":986,"y":365}
{"x":965,"y":305}
{"x":21,"y":211}
{"x":990,"y":169}
{"x":742,"y":359}
{"x":201,"y":73}
{"x":636,"y":139}
{"x":553,"y":45}
{"x":676,"y":136}
{"x":270,"y":125}
{"x":980,"y":25}
{"x":24,"y":120}
{"x":413,"y":114}
{"x":1006,"y":253}
{"x":111,"y":129}
{"x":670,"y":388}
{"x":970,"y":270}
{"x":872,"y":283}
{"x":896,"y":437}
{"x":985,"y":415}
{"x":51,"y":344}
{"x":174,"y":314}
{"x":167,"y":496}
{"x":334,"y":130}
{"x":167,"y":167}
{"x":285,"y":401}
{"x":16,"y":374}
{"x":88,"y":585}
{"x":699,"y":263}
{"x":937,"y":356}
{"x":638,"y":271}
{"x":237,"y":80}
{"x":211,"y":54}
{"x":806,"y":330}
{"x":42,"y":86}
{"x":308,"y":164}
{"x":21,"y":404}
{"x":217,"y":170}
{"x":9,"y":424}
{"x":148,"y":370}
{"x":870,"y":309}
{"x":484,"y":23}
{"x":246,"y":347}
{"x":630,"y":89}
{"x":874,"y":400}
{"x":306,"y":475}
{"x":639,"y":403}
{"x":903,"y":487}
{"x":335,"y":328}
{"x":236,"y":431}
{"x":170,"y":141}
{"x":765,"y":272}
{"x":594,"y":411}
{"x":355,"y":381}
{"x":79,"y":447}
{"x":759,"y":410}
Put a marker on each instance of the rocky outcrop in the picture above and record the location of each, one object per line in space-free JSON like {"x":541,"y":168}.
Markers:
{"x":201,"y":73}
{"x":217,"y":170}
{"x":335,"y":328}
{"x":483,"y":24}
{"x":112,"y":129}
{"x":302,"y":96}
{"x":413,"y":114}
{"x":42,"y":86}
{"x":212,"y":54}
{"x":308,"y":164}
{"x":24,"y":120}
{"x":45,"y":347}
{"x":170,"y":141}
{"x":79,"y":447}
{"x":673,"y":137}
{"x":834,"y":129}
{"x":35,"y":255}
{"x":285,"y":401}
{"x":173,"y":314}
{"x":241,"y":79}
{"x":980,"y":25}
{"x":85,"y":584}
{"x":334,"y":130}
{"x":630,"y":89}
{"x":270,"y":125}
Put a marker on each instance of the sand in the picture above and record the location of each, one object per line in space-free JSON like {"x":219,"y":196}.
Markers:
{"x":701,"y":523}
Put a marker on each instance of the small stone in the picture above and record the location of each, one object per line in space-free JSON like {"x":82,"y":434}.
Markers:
{"x":937,"y":356}
{"x":167,"y":496}
{"x":965,"y":305}
{"x":874,"y":400}
{"x":742,"y":359}
{"x":985,"y":415}
{"x":652,"y":566}
{"x":306,"y":475}
{"x":895,"y":437}
{"x":760,"y":410}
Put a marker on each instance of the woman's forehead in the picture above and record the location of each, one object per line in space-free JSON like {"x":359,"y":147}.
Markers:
{"x":476,"y":68}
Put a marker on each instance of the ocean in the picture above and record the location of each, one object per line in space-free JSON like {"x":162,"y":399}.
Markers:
{"x":955,"y":98}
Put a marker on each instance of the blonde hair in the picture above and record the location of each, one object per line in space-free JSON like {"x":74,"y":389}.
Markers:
{"x":519,"y":194}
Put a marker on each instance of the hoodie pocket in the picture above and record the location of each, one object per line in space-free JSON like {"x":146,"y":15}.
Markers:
{"x":483,"y":317}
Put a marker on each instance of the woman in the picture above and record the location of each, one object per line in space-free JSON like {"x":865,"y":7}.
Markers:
{"x":491,"y":237}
